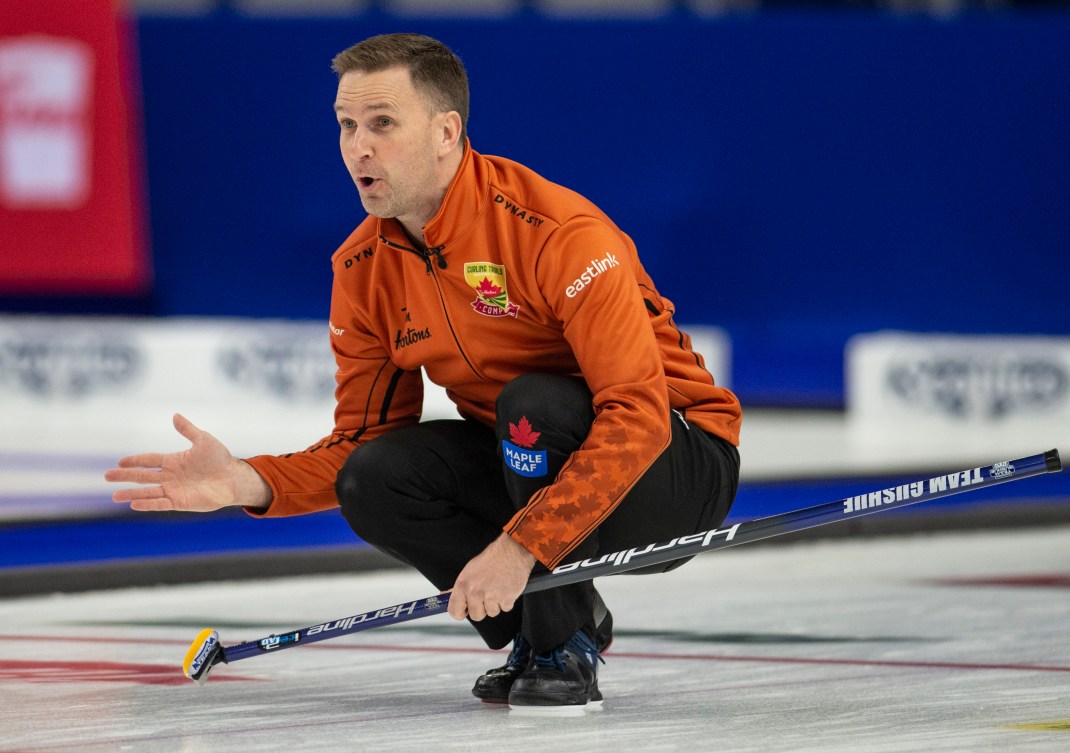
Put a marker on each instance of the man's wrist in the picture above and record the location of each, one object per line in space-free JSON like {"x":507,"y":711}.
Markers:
{"x":251,"y":490}
{"x":517,"y":550}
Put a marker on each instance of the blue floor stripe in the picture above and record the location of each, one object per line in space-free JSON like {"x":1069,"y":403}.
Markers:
{"x":131,"y":536}
{"x":164,"y":535}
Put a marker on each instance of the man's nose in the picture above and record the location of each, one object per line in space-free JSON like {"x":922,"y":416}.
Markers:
{"x":360,"y":144}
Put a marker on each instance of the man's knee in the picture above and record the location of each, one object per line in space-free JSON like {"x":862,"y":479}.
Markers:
{"x":546,"y":400}
{"x":361,"y":485}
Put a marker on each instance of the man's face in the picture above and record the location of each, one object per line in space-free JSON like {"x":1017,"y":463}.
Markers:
{"x":386,"y":137}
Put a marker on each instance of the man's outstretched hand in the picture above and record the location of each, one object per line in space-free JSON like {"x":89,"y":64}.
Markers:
{"x":203,"y":478}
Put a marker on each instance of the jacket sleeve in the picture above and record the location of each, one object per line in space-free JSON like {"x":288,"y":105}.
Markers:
{"x":373,"y":396}
{"x":607,"y":325}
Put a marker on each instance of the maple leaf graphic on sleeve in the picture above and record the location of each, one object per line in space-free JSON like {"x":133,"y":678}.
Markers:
{"x":521,"y":433}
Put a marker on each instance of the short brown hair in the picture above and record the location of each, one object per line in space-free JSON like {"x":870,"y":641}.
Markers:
{"x":436,"y":71}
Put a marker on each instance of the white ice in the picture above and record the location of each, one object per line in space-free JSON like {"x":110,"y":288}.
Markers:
{"x":818,"y":646}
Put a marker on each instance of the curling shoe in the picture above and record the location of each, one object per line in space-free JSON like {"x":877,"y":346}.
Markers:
{"x":563,"y":680}
{"x":493,"y":686}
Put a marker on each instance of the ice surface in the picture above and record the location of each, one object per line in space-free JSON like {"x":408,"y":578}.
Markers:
{"x":826,"y":646}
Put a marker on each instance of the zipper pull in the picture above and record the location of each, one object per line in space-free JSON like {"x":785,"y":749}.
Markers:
{"x":437,"y":252}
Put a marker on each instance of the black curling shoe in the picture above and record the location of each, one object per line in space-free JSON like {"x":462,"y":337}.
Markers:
{"x":564,"y":680}
{"x":494,"y":685}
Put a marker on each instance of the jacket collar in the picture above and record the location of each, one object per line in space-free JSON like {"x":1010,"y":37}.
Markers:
{"x":465,"y":200}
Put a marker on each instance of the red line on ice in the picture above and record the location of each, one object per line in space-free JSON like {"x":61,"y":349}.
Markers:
{"x":45,"y":671}
{"x":612,"y":654}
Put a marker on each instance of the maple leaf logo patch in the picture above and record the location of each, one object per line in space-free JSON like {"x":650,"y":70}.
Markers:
{"x":488,"y":281}
{"x":522,"y":434}
{"x":519,"y":455}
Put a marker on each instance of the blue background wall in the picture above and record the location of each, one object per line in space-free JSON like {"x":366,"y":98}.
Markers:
{"x":794,"y":177}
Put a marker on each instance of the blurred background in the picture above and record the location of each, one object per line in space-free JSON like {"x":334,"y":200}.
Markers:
{"x":859,"y":208}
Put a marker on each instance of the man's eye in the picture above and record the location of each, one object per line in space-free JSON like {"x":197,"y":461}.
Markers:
{"x":346,"y":123}
{"x":383,"y":122}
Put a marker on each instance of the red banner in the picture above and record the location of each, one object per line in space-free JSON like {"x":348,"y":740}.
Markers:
{"x":71,"y":193}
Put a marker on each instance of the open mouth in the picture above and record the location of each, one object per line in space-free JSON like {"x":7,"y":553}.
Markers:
{"x":366,"y":182}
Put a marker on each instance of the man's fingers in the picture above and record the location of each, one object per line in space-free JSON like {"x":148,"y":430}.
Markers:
{"x":134,"y":475}
{"x":474,"y":608}
{"x":458,"y":606}
{"x":144,"y":460}
{"x":137,"y":492}
{"x":476,"y":611}
{"x":186,"y":428}
{"x":495,"y":605}
{"x":158,"y":504}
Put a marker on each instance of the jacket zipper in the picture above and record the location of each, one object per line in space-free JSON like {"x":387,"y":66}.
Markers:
{"x":436,"y":251}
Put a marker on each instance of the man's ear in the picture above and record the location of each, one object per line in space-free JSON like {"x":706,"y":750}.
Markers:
{"x":447,"y":131}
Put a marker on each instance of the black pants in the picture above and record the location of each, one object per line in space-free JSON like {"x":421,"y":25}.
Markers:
{"x":434,"y":495}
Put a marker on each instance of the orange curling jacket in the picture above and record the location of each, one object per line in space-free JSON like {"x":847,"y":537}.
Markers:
{"x":520,"y":275}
